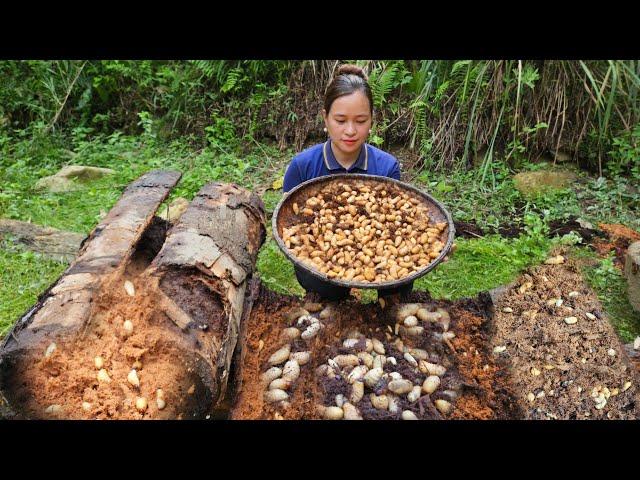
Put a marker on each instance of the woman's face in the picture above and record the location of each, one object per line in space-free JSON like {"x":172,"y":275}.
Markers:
{"x":348,"y":121}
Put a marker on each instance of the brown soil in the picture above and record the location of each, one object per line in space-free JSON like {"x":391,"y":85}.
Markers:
{"x":483,"y":392}
{"x":560,"y":364}
{"x":620,"y":237}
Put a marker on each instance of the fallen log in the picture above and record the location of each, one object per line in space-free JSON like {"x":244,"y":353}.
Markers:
{"x":164,"y":329}
{"x":66,"y":307}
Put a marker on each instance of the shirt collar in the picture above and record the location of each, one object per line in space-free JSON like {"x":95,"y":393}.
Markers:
{"x":362,"y":163}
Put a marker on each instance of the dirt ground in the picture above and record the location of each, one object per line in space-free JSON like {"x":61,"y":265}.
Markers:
{"x":480,"y":385}
{"x":619,"y":239}
{"x":563,"y":356}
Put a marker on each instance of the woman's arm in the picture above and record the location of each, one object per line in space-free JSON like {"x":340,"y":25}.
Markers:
{"x":292,"y":177}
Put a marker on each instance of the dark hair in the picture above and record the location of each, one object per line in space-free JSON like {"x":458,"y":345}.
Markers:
{"x":348,"y":79}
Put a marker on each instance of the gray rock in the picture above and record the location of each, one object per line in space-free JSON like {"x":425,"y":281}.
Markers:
{"x":52,"y":242}
{"x":70,"y":177}
{"x":632,"y":273}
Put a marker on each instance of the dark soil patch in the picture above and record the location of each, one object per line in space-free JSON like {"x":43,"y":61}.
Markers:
{"x":478,"y":385}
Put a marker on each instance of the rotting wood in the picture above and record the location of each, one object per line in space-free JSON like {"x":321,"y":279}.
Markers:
{"x":215,"y":243}
{"x":64,"y":310}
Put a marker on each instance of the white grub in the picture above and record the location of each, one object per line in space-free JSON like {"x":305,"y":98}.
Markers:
{"x":127,"y":327}
{"x":350,"y":342}
{"x":426,"y":316}
{"x":291,"y":371}
{"x":499,"y":349}
{"x":574,"y":294}
{"x":443,"y":406}
{"x":379,"y":361}
{"x":366,"y":358}
{"x":419,"y":353}
{"x":431,"y":384}
{"x":333,"y":413}
{"x":86,"y":406}
{"x":346,"y":360}
{"x":432,"y":368}
{"x":357,"y":374}
{"x":409,"y":415}
{"x":571,"y":320}
{"x":507,"y":310}
{"x":448,"y":336}
{"x":392,"y":360}
{"x":394,"y":403}
{"x":381,"y":402}
{"x":280,"y":356}
{"x":55,"y":409}
{"x":50,"y":349}
{"x":290,"y":333}
{"x":357,"y":392}
{"x":372,"y":377}
{"x":311,"y":331}
{"x":141,"y":404}
{"x":400,"y":387}
{"x":271,"y":374}
{"x":160,"y":403}
{"x":351,"y":412}
{"x":128,"y":287}
{"x":410,"y":321}
{"x":407,"y":309}
{"x":272,"y":396}
{"x":326,"y":313}
{"x":301,"y":357}
{"x":414,"y":394}
{"x":395,"y":376}
{"x":378,"y":347}
{"x":409,"y":358}
{"x":133,"y":379}
{"x":340,"y":400}
{"x":279,"y":384}
{"x":368,"y":345}
{"x":98,"y":362}
{"x":590,"y":316}
{"x":411,"y":331}
{"x":103,"y":376}
{"x":445,"y":319}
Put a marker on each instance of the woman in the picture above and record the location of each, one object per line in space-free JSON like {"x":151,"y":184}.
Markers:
{"x":348,"y":115}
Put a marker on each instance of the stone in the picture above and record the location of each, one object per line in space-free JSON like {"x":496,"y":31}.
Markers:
{"x":632,"y":273}
{"x":174,"y":210}
{"x":531,"y":184}
{"x":69,"y":178}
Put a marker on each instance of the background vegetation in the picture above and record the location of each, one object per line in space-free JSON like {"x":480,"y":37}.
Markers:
{"x":460,"y":128}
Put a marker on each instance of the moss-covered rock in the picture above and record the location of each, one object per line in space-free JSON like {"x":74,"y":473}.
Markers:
{"x":534,"y":183}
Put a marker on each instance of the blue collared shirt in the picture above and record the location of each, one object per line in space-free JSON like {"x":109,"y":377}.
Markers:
{"x":319,"y":160}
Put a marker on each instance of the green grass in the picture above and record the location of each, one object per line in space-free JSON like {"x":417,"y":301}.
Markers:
{"x":611,"y":287}
{"x":276,"y":271}
{"x":23,"y":276}
{"x":482,"y":264}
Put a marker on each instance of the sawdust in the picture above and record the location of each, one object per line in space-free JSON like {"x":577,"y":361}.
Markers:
{"x":554,"y":365}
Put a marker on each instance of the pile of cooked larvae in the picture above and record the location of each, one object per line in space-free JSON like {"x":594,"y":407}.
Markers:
{"x":369,"y":232}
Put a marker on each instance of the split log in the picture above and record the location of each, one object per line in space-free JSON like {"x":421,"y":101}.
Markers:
{"x":184,"y":315}
{"x":204,"y":273}
{"x":66,"y":307}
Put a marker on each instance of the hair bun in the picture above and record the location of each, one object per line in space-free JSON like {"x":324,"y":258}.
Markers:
{"x":350,"y":69}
